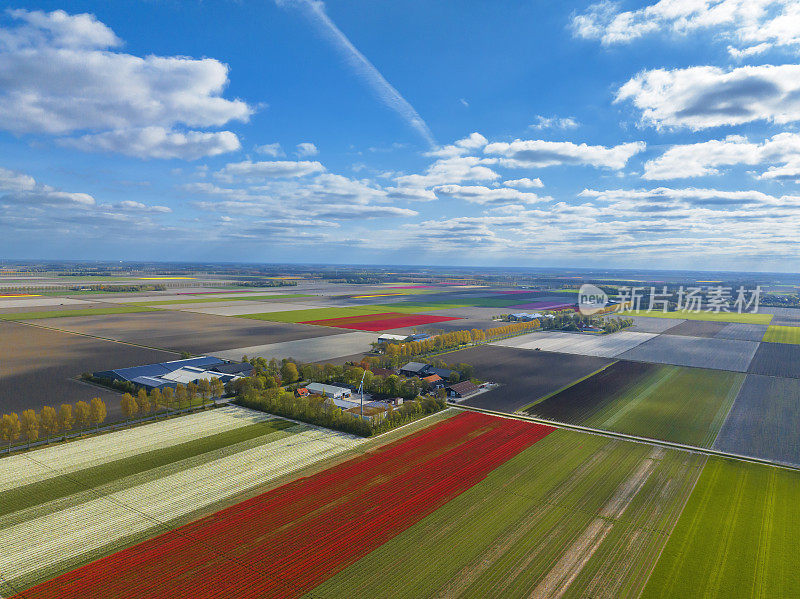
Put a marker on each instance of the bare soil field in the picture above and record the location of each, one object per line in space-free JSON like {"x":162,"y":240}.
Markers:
{"x":776,"y":359}
{"x":651,"y":324}
{"x":743,"y":332}
{"x":783,"y":316}
{"x":525,"y":375}
{"x":700,"y":352}
{"x":764,"y":420}
{"x":38,"y":366}
{"x":697,"y":328}
{"x":185,"y":331}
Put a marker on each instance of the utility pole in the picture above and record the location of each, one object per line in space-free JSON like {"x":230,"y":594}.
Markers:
{"x":361,"y":393}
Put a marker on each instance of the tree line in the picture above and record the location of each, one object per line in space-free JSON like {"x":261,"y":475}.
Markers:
{"x":454,"y":340}
{"x":48,"y":422}
{"x":183,"y":396}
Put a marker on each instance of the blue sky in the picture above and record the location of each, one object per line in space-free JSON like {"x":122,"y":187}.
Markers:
{"x":656,"y":134}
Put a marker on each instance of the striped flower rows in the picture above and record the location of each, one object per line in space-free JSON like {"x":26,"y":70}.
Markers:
{"x":286,"y":541}
{"x":58,"y":534}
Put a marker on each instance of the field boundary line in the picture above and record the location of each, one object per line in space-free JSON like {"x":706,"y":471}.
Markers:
{"x":632,"y":438}
{"x":41,"y":326}
{"x":565,"y":387}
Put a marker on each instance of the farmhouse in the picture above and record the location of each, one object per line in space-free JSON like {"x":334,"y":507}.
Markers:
{"x":330,"y":391}
{"x":462,"y":389}
{"x":434,"y":380}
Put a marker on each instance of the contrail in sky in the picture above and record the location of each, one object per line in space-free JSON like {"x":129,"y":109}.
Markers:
{"x":315,"y":11}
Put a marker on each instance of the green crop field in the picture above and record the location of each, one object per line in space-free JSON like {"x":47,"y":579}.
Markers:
{"x":745,"y":317}
{"x":155,"y":302}
{"x":340,"y":312}
{"x":575,"y":513}
{"x":737,"y":536}
{"x":781,"y":334}
{"x":86,"y":312}
{"x":674,"y":403}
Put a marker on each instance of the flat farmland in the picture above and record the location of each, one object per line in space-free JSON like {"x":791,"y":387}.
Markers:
{"x":40,"y":366}
{"x":314,"y":349}
{"x":777,"y":359}
{"x":699,"y":352}
{"x":68,"y":515}
{"x":574,"y":515}
{"x":525,"y":375}
{"x":782,"y":334}
{"x":651,"y":324}
{"x":381,"y":322}
{"x":37,"y":302}
{"x":184,"y":331}
{"x":784,"y":316}
{"x":286,"y":541}
{"x":242,"y":308}
{"x":736,"y":538}
{"x":764,"y":420}
{"x":745,"y":317}
{"x":605,"y":346}
{"x":673,"y":403}
{"x":38,"y":315}
{"x":697,"y":328}
{"x":744,"y":332}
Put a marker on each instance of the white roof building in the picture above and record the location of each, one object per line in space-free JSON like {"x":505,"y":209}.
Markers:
{"x":189,"y":374}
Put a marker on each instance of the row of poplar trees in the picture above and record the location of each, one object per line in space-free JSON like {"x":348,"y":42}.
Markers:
{"x":183,"y":396}
{"x":49,"y":422}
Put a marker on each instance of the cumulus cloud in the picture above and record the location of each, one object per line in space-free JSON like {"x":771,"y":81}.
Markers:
{"x":273,"y":150}
{"x":524,"y":183}
{"x":467,"y":145}
{"x":478,"y":194}
{"x":156,"y":142}
{"x":705,"y":158}
{"x":553,"y":122}
{"x":61,"y":74}
{"x":272,"y":169}
{"x":752,"y":26}
{"x":539,"y":153}
{"x":702,"y":97}
{"x":306,"y":149}
{"x":451,"y":170}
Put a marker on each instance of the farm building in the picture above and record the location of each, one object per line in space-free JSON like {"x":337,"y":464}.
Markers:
{"x":388,"y":338}
{"x":170,"y":374}
{"x":330,"y":391}
{"x":422,"y":370}
{"x":434,"y":380}
{"x":414,"y":369}
{"x":462,"y":389}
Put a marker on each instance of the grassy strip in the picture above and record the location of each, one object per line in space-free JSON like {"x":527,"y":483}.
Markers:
{"x":782,"y":334}
{"x":504,"y":535}
{"x":745,"y":317}
{"x":65,"y":313}
{"x":344,"y":311}
{"x":217,"y":299}
{"x":51,"y":489}
{"x":564,"y":388}
{"x":737,"y":536}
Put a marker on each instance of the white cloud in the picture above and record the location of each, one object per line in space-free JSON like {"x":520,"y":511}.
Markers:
{"x":543,"y":122}
{"x":315,"y":12}
{"x":703,"y":159}
{"x":752,"y":26}
{"x":539,"y":153}
{"x":467,"y":145}
{"x":306,"y":149}
{"x":524,"y":183}
{"x":59,"y":74}
{"x":273,"y":150}
{"x":265,"y":170}
{"x":156,"y":142}
{"x":477,"y":194}
{"x":451,"y":170}
{"x":701,"y":97}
